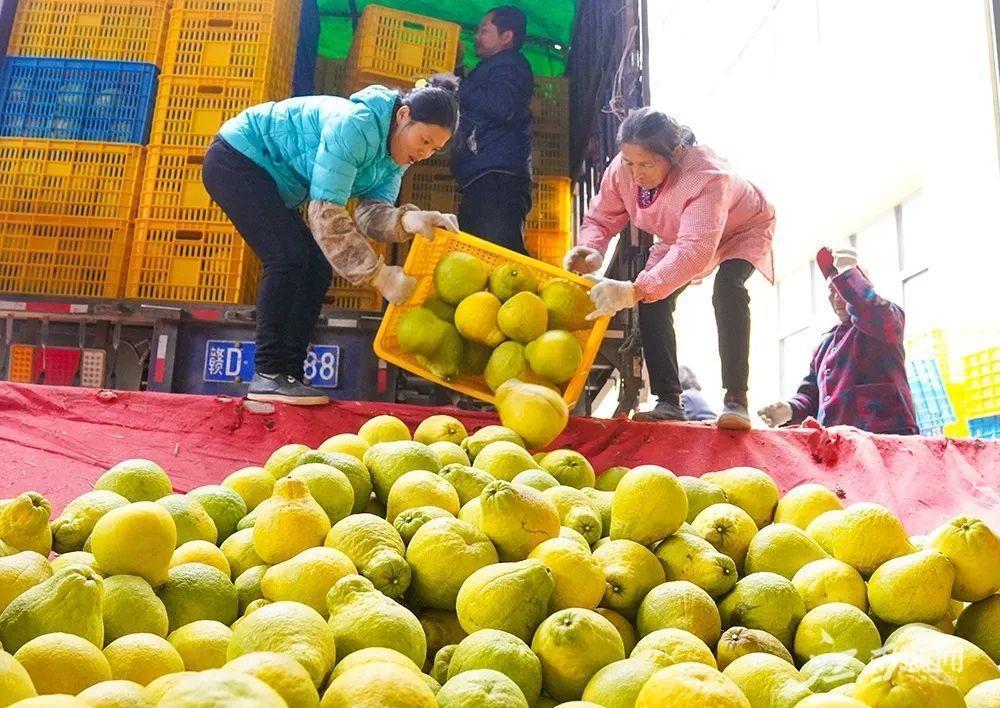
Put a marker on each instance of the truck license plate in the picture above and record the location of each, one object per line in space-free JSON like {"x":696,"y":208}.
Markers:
{"x":232,"y":362}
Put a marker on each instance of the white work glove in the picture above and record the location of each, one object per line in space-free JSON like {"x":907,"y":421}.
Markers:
{"x":776,"y":414}
{"x":610,"y":296}
{"x":844,"y":259}
{"x":395,"y":285}
{"x":424,"y":222}
{"x":583,"y":260}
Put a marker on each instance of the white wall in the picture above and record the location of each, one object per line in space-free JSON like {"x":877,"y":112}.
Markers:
{"x":841,"y":110}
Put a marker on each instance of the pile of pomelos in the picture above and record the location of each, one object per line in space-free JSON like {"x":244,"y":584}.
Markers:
{"x":391,"y":570}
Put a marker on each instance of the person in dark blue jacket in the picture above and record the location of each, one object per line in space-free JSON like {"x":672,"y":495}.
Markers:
{"x":491,"y":153}
{"x":271,"y":158}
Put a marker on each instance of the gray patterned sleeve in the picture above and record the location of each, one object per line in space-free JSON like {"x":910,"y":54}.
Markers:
{"x":347,"y":249}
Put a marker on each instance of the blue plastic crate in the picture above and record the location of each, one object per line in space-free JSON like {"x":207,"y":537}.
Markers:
{"x":930,"y":398}
{"x":988,"y":427}
{"x":77,"y":99}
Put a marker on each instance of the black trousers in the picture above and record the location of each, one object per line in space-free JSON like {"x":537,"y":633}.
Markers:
{"x":494,"y":207}
{"x":296,"y":273}
{"x":732,"y":319}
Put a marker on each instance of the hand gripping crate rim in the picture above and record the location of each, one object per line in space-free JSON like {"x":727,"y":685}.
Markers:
{"x":420,"y":263}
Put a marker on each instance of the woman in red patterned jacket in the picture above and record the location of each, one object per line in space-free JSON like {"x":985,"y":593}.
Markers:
{"x":857,"y":375}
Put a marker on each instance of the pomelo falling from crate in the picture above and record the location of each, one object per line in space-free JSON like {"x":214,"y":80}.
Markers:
{"x":421,"y":262}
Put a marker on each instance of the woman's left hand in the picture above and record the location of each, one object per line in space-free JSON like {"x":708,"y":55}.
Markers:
{"x":611,"y":296}
{"x":424,"y":222}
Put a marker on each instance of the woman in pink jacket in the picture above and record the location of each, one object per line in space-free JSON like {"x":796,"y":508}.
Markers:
{"x":703,"y":216}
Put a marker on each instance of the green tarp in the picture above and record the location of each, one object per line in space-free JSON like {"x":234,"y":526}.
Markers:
{"x":550,"y":24}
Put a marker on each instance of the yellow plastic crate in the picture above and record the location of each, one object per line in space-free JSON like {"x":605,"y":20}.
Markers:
{"x":423,"y":258}
{"x":551,"y":205}
{"x":266,"y":7}
{"x":69,"y":178}
{"x":550,"y":101}
{"x":330,"y":76}
{"x":191,"y":262}
{"x":172,"y":189}
{"x":548,"y":246}
{"x":550,"y":151}
{"x":62,"y":255}
{"x":190,"y":111}
{"x":982,"y":383}
{"x":234,"y":45}
{"x":430,"y":186}
{"x":394,"y":45}
{"x":109,"y":30}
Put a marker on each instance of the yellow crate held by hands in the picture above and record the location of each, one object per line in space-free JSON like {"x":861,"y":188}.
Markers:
{"x":420,"y":263}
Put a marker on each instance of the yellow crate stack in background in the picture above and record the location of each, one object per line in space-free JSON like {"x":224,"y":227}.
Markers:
{"x":396,"y":49}
{"x":220,"y":57}
{"x":548,"y":232}
{"x":82,"y":74}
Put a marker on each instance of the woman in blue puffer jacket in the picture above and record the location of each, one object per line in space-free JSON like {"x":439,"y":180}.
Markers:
{"x":271,"y":158}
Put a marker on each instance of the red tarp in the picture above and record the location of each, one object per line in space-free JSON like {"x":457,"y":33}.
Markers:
{"x":57,"y":441}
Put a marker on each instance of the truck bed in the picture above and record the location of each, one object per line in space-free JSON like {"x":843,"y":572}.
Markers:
{"x":58,"y":440}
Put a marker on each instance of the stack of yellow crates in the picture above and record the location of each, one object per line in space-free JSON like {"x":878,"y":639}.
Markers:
{"x":220,"y":57}
{"x":76,"y":98}
{"x":548,"y":230}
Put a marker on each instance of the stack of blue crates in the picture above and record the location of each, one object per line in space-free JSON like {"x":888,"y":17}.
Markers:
{"x":77,"y":99}
{"x":930,"y":398}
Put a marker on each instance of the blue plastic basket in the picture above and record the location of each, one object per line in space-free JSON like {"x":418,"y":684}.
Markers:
{"x":987,"y":428}
{"x":930,"y":398}
{"x":77,"y":99}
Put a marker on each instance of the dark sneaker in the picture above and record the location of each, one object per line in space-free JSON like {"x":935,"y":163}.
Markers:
{"x":664,"y":410}
{"x":281,"y":388}
{"x":734,"y":416}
